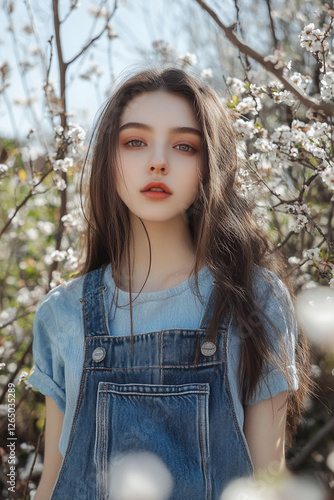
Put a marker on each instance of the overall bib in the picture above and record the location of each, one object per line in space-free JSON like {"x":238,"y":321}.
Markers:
{"x":168,"y":398}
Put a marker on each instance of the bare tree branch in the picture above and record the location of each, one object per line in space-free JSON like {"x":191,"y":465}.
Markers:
{"x":95,"y":38}
{"x":236,"y":40}
{"x":272,"y":25}
{"x":298,"y":461}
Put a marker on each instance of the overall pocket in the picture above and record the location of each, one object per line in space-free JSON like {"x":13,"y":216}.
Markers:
{"x":149,"y":435}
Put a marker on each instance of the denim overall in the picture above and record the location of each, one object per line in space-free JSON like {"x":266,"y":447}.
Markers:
{"x":168,"y":397}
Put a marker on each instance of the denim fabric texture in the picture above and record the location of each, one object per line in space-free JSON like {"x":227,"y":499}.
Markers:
{"x":160,"y":397}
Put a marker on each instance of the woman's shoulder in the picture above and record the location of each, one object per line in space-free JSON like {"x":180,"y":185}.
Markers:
{"x":62,"y":298}
{"x":268,"y":285}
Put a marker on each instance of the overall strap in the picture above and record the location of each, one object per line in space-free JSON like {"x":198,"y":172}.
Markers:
{"x":93,"y":304}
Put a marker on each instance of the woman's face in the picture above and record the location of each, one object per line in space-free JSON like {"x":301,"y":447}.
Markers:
{"x":159,"y":148}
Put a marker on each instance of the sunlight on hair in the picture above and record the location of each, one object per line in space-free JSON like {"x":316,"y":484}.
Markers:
{"x":283,"y":487}
{"x":315,"y":310}
{"x":139,"y":476}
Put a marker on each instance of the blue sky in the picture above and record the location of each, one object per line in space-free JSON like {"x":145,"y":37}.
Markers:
{"x":137,"y":23}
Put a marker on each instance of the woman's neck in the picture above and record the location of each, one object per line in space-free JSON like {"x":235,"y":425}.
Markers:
{"x":172,"y":255}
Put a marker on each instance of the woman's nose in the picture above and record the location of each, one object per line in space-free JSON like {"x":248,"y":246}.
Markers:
{"x":158,"y":167}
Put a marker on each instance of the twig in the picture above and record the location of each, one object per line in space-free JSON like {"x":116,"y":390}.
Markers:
{"x":272,"y":25}
{"x":326,"y":108}
{"x":15,"y":319}
{"x":286,"y":239}
{"x":18,"y":368}
{"x":26,"y":88}
{"x":40,"y":437}
{"x":29,"y":195}
{"x":238,"y":23}
{"x":93,"y":39}
{"x":298,"y":461}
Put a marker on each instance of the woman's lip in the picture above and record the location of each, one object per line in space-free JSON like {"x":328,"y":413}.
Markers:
{"x":160,"y":185}
{"x":156,"y":195}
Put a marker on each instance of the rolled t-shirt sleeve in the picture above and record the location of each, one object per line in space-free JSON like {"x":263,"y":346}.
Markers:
{"x":281,"y":328}
{"x":48,"y":369}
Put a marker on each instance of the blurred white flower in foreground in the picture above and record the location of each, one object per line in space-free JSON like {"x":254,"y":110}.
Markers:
{"x":315,"y":310}
{"x":283,"y":487}
{"x":139,"y":476}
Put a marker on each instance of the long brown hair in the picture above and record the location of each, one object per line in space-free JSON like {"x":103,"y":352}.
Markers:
{"x":224,"y":235}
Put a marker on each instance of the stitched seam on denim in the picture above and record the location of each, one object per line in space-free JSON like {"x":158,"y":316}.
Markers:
{"x":104,"y":447}
{"x":152,"y":394}
{"x":98,"y":461}
{"x":201,"y":442}
{"x":208,"y":487}
{"x":198,"y":330}
{"x":161,"y":356}
{"x":103,"y":313}
{"x":232,"y":407}
{"x":152,"y":367}
{"x":74,"y":421}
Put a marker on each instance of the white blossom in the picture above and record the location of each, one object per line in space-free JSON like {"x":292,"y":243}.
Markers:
{"x":59,"y":183}
{"x":77,"y":136}
{"x":313,"y":39}
{"x":313,"y":253}
{"x":188,"y":59}
{"x":265,"y":146}
{"x":327,"y":86}
{"x":72,"y":260}
{"x":285,"y":97}
{"x":237,"y":86}
{"x":206,"y":73}
{"x":32,"y":234}
{"x":63,"y":165}
{"x":245,"y":127}
{"x":23,"y":375}
{"x":331,"y":283}
{"x":327,"y":176}
{"x":56,"y":279}
{"x":300,"y":223}
{"x":276,"y":58}
{"x":59,"y":129}
{"x":300,"y":80}
{"x":45,"y":227}
{"x":98,"y":12}
{"x":249,"y":104}
{"x":3,"y":168}
{"x":256,"y":90}
{"x":7,"y":315}
{"x":294,"y":260}
{"x":317,"y":130}
{"x":58,"y":255}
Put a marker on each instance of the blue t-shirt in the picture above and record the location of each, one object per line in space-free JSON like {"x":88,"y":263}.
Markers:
{"x":58,"y":336}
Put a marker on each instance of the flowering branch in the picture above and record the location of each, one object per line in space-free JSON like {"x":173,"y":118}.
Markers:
{"x":236,"y":40}
{"x":23,"y":202}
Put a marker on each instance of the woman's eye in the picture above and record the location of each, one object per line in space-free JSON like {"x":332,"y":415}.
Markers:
{"x":185,"y":148}
{"x":135,"y":143}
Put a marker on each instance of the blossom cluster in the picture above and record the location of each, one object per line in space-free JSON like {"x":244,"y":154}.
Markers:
{"x":313,"y":40}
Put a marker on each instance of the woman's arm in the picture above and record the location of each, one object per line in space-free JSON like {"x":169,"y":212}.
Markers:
{"x":52,"y":456}
{"x":264,"y":429}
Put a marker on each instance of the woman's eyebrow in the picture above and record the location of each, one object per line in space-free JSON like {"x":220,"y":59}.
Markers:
{"x":189,"y":130}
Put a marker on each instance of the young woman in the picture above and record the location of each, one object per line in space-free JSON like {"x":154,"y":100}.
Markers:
{"x":176,"y":348}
